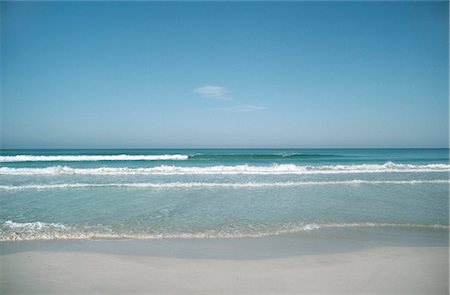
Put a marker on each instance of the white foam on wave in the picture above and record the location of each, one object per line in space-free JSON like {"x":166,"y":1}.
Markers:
{"x":169,"y":185}
{"x":84,"y":158}
{"x":274,"y":169}
{"x":10,"y":230}
{"x":32,"y":225}
{"x":14,"y":231}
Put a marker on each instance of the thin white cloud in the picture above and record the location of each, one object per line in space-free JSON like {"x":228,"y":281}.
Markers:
{"x":212,"y":91}
{"x":242,"y":108}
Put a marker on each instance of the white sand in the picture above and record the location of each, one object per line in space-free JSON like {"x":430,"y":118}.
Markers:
{"x":395,"y":270}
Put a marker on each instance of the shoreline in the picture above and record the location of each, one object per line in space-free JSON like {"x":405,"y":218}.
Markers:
{"x":318,"y":241}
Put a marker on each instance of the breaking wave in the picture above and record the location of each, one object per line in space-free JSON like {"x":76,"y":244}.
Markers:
{"x":14,"y":231}
{"x":169,"y":185}
{"x":84,"y":158}
{"x":230,"y":170}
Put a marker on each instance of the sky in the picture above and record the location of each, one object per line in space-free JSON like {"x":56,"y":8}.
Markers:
{"x":223,"y":75}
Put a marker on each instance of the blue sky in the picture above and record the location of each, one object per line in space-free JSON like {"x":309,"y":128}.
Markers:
{"x":199,"y":74}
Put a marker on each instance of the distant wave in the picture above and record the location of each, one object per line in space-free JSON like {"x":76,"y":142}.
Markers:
{"x":258,"y":156}
{"x":83,"y":158}
{"x":169,"y":185}
{"x":231,"y":170}
{"x":14,"y":231}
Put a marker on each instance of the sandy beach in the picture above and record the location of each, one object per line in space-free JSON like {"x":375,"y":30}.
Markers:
{"x":218,"y":267}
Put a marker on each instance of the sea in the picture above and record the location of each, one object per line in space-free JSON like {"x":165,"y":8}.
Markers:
{"x":220,"y":193}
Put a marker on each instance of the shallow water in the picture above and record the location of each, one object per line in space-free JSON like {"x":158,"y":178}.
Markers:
{"x":153,"y":194}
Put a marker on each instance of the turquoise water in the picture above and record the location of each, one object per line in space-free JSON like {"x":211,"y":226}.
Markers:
{"x":146,"y":194}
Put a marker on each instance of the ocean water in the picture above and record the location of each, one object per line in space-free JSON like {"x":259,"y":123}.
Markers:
{"x":215,"y":193}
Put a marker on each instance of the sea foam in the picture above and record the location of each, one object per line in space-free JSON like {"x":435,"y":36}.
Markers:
{"x":231,"y":170}
{"x":83,"y":158}
{"x":170,"y":185}
{"x":14,"y":231}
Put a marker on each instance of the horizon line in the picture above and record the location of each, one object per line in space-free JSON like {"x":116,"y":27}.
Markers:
{"x":233,"y":148}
